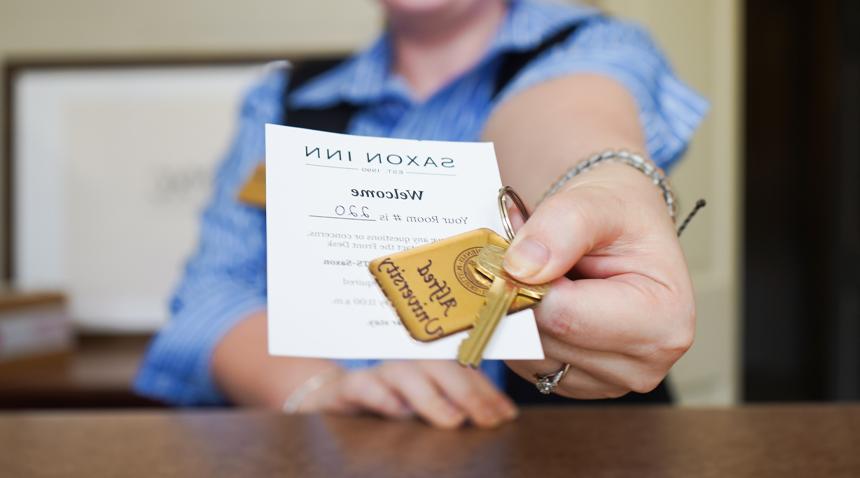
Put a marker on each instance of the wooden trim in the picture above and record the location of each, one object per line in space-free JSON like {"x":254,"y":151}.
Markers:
{"x":11,"y":300}
{"x":149,"y":61}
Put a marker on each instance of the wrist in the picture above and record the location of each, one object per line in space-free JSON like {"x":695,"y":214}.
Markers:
{"x":610,"y":168}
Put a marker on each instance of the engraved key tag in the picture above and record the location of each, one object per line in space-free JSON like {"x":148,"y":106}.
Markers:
{"x":435,"y":288}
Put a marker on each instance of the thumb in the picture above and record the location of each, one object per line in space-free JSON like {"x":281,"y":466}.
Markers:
{"x":563,"y":228}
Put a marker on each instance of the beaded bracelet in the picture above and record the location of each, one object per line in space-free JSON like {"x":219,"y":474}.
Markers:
{"x":631,"y":159}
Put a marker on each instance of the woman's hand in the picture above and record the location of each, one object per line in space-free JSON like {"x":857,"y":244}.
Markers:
{"x":441,"y":392}
{"x":628,"y":315}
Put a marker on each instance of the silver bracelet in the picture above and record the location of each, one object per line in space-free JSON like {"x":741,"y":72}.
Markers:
{"x":294,"y":401}
{"x":631,"y":159}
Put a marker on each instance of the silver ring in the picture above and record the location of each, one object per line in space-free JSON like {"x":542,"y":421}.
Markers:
{"x":547,"y":384}
{"x":506,"y":193}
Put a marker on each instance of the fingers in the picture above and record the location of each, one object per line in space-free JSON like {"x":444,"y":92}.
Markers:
{"x":617,"y":372}
{"x":440,"y":392}
{"x":626,"y":314}
{"x":364,"y":390}
{"x":420,"y":393}
{"x":472,"y":392}
{"x":564,"y":228}
{"x":577,"y":383}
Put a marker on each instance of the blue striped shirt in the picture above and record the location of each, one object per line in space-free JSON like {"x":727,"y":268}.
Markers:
{"x":225,"y":280}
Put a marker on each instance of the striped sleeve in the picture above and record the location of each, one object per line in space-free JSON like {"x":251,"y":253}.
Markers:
{"x":225,"y":280}
{"x":668,"y":109}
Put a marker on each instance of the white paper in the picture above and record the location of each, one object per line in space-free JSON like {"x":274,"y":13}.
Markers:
{"x":321,"y":233}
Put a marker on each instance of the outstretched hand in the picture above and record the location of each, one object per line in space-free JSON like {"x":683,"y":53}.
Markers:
{"x":625,"y":313}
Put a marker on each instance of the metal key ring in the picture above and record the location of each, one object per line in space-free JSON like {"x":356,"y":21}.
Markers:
{"x":505,"y":193}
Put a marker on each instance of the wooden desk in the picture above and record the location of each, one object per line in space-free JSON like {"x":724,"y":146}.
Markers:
{"x":542,"y":443}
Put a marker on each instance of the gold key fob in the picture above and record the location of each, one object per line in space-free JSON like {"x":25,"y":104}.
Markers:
{"x":435,"y":288}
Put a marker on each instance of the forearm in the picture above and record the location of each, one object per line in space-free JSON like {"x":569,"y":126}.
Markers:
{"x":246,"y":372}
{"x":542,"y":131}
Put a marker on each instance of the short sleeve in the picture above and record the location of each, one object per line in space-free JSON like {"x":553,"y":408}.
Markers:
{"x":669,"y":110}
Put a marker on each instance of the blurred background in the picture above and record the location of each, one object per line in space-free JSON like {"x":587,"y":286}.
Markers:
{"x":116,"y":112}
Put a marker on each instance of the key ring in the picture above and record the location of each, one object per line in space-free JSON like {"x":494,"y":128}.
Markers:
{"x":505,"y":193}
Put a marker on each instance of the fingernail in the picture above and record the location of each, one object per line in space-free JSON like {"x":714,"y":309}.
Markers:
{"x":455,"y":419}
{"x":490,"y":421}
{"x":450,"y":412}
{"x":486,"y":418}
{"x":506,"y":409}
{"x":526,"y":257}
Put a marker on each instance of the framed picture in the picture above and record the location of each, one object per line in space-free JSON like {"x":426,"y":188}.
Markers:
{"x":110,"y":165}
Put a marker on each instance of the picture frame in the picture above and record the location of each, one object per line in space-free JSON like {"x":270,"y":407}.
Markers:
{"x":108,"y":164}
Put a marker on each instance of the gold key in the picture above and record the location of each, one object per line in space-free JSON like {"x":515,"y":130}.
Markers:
{"x":502,"y":293}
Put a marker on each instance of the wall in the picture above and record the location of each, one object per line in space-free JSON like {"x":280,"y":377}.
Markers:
{"x":701,"y":37}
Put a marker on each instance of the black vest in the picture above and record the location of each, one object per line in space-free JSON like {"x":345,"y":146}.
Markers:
{"x":336,"y":118}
